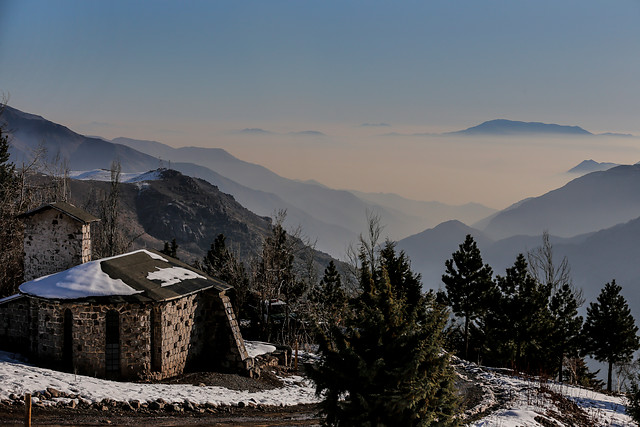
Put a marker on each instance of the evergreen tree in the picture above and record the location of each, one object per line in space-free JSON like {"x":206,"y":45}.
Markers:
{"x":565,"y":332}
{"x":221,"y":263}
{"x":387,"y":366}
{"x":330,"y":300}
{"x":610,"y":332}
{"x":171,"y":249}
{"x":11,"y":273}
{"x":520,"y":319}
{"x":275,"y":279}
{"x":467,"y":281}
{"x":633,"y":399}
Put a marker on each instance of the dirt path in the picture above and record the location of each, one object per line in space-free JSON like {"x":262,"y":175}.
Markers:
{"x":300,"y":415}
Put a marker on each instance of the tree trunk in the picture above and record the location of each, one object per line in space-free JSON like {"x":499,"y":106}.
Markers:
{"x":609,"y":376}
{"x":466,"y":338}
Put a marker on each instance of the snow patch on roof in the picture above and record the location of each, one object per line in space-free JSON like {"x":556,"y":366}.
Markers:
{"x":82,"y":281}
{"x":172,"y":275}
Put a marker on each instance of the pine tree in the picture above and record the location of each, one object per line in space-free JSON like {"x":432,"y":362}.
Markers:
{"x":564,"y":339}
{"x":221,"y":263}
{"x":387,"y":366}
{"x":467,"y":281}
{"x":275,"y":279}
{"x":330,"y":300}
{"x":633,"y":398}
{"x":519,"y":319}
{"x":610,"y":332}
{"x":171,"y":249}
{"x":11,"y":228}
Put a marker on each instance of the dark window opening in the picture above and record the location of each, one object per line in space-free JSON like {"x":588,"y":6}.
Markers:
{"x":67,"y":340}
{"x":112,"y":345}
{"x":156,"y":350}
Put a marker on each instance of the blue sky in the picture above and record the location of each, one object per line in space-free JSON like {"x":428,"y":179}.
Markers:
{"x":191,"y":72}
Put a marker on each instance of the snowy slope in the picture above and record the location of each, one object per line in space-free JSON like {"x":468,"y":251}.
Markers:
{"x":506,"y":401}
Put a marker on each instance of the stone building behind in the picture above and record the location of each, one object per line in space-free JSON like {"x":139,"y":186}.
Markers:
{"x":57,"y":236}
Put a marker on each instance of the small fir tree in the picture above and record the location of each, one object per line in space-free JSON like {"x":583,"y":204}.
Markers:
{"x":610,"y":332}
{"x":387,"y":366}
{"x":171,"y":249}
{"x":467,"y":281}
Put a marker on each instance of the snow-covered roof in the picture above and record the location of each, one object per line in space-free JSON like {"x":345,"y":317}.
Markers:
{"x":139,"y":276}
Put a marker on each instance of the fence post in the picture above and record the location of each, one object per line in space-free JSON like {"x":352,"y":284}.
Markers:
{"x":27,"y":409}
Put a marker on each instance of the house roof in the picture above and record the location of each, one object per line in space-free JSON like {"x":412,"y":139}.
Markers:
{"x":66,"y":208}
{"x":139,"y":276}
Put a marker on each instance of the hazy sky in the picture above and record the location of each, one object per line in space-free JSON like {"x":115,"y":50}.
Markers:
{"x":196,"y":72}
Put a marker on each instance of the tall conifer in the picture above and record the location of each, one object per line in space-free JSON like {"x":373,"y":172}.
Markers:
{"x":610,"y":331}
{"x":467,"y":281}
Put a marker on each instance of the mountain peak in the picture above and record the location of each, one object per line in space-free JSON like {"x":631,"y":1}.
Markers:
{"x":587,"y":166}
{"x":512,"y":127}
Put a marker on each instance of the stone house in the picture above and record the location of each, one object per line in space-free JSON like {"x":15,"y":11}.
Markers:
{"x":140,"y":315}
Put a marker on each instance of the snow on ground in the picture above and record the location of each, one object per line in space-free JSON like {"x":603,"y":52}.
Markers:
{"x":105,"y":175}
{"x":256,"y":348}
{"x":524,"y":401}
{"x":507,"y":401}
{"x":18,"y":377}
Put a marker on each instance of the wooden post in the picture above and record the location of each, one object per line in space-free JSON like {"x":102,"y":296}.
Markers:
{"x":27,"y":409}
{"x":295,"y":364}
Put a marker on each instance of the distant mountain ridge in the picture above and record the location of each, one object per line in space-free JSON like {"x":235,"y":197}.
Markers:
{"x":588,"y":166}
{"x":595,"y":258}
{"x":589,"y":203}
{"x":333,"y":217}
{"x":513,"y":127}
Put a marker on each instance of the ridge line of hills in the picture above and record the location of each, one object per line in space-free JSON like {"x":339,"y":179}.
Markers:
{"x":330,"y":216}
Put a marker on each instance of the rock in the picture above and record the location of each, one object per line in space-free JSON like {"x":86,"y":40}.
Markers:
{"x":135,"y":404}
{"x":156,"y":405}
{"x":46,"y":395}
{"x":54,"y":393}
{"x":174,"y":408}
{"x":241,"y":405}
{"x":188,"y":406}
{"x":202,"y":385}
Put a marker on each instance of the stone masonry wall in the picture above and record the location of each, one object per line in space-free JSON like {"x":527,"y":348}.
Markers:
{"x":14,"y":325}
{"x":54,"y":242}
{"x":177,"y":340}
{"x":198,"y":331}
{"x":88,"y":336}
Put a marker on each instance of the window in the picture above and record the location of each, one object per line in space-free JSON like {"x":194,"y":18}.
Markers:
{"x":112,"y":347}
{"x":67,"y":340}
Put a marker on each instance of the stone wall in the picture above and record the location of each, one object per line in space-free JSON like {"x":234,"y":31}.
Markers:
{"x":14,"y":324}
{"x":195,"y":332}
{"x":54,"y":242}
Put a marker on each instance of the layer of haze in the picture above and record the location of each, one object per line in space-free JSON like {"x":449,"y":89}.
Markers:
{"x":197,"y":72}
